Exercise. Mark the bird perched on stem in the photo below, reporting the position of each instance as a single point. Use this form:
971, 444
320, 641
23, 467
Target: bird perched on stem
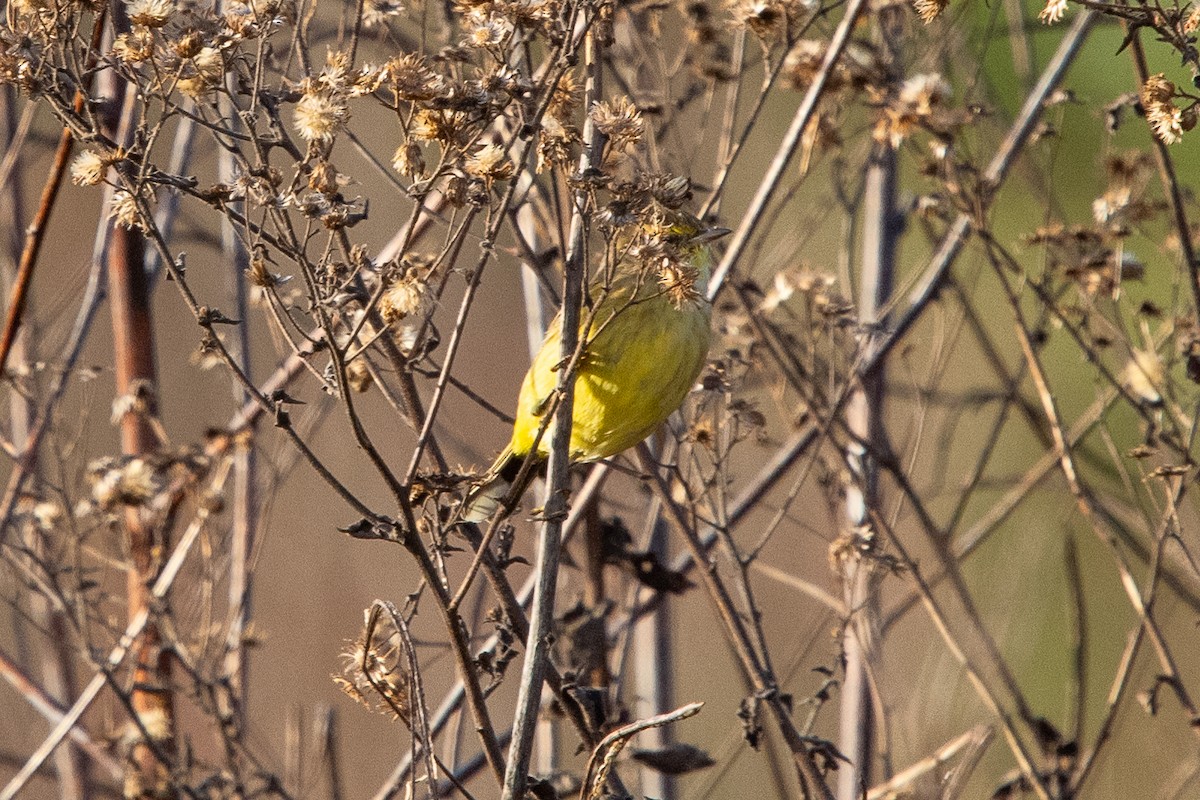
644, 336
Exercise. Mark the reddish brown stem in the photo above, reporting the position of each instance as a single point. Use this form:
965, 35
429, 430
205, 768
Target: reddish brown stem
35, 234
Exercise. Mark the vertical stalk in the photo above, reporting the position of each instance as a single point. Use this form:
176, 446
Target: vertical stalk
881, 228
654, 670
136, 375
537, 645
245, 502
535, 330
56, 658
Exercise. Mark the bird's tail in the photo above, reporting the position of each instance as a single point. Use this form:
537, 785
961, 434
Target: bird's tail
486, 497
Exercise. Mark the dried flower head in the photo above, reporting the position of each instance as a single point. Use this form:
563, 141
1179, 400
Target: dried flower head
1192, 22
769, 19
1157, 89
489, 33
375, 671
619, 120
554, 146
929, 10
150, 13
403, 298
202, 73
920, 97
566, 96
88, 168
803, 63
124, 210
411, 78
134, 47
490, 163
377, 13
1166, 120
319, 114
1053, 12
409, 160
677, 279
440, 125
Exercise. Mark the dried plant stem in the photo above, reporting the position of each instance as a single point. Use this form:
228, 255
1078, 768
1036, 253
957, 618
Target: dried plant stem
106, 671
974, 742
860, 571
245, 491
35, 234
930, 283
137, 392
49, 708
541, 619
755, 669
1169, 179
605, 753
787, 148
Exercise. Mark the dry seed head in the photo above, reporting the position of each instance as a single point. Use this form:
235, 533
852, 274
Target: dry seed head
490, 163
324, 178
929, 10
319, 115
1166, 120
404, 297
566, 96
124, 210
88, 168
409, 161
1157, 89
677, 279
1192, 21
1053, 12
490, 32
619, 120
134, 47
412, 79
554, 144
202, 73
150, 13
189, 45
803, 63
376, 13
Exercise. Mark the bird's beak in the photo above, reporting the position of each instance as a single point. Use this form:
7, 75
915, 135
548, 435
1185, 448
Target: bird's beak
711, 235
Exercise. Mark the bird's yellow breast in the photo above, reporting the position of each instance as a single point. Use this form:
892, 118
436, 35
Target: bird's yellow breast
640, 361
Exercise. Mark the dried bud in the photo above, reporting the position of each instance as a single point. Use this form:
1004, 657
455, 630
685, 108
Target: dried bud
319, 115
409, 161
150, 13
323, 178
1053, 12
202, 73
124, 210
1157, 89
619, 120
929, 10
490, 163
88, 168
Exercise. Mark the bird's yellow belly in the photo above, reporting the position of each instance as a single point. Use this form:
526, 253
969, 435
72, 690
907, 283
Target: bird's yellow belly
635, 372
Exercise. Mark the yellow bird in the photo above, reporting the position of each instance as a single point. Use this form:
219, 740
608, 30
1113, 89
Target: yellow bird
646, 344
